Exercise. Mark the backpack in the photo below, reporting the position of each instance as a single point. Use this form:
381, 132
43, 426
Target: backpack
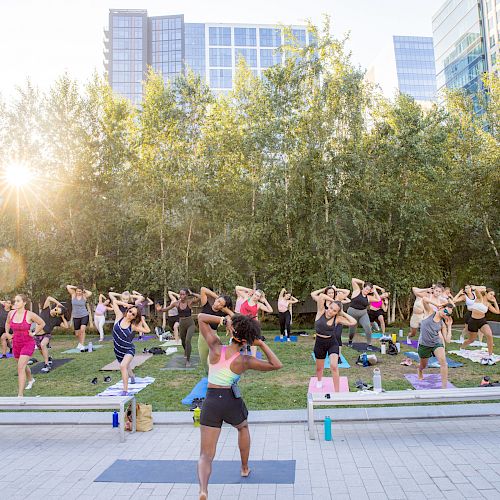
391, 348
154, 350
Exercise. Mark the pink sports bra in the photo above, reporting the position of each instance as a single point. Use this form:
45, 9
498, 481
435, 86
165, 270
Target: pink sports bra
220, 373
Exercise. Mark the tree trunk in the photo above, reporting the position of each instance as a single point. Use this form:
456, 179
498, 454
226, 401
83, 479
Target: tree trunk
393, 308
188, 245
491, 240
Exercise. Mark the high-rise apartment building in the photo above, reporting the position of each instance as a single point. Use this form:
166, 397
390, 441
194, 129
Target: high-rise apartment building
170, 46
415, 67
466, 34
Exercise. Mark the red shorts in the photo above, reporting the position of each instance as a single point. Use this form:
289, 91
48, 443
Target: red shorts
23, 345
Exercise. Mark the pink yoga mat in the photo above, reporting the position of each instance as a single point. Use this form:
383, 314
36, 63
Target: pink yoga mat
431, 381
328, 385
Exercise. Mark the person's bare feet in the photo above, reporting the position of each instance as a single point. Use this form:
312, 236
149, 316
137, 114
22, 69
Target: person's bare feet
245, 471
203, 495
420, 374
188, 364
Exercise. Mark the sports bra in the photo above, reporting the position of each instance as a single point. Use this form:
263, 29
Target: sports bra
479, 307
220, 373
184, 313
23, 327
359, 302
323, 328
376, 305
247, 310
470, 302
207, 309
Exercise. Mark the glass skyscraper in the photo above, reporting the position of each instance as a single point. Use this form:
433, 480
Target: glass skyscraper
415, 66
465, 42
172, 47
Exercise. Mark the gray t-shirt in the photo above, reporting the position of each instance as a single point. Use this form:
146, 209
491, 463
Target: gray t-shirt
429, 332
79, 307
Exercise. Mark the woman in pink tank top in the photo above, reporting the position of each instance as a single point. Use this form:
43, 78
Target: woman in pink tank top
223, 402
19, 321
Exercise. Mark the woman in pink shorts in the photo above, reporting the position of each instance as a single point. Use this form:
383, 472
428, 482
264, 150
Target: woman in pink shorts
19, 321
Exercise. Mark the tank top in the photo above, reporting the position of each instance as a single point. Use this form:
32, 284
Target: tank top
248, 310
479, 307
359, 302
122, 337
207, 309
184, 313
100, 309
470, 302
323, 328
21, 328
282, 305
220, 373
79, 307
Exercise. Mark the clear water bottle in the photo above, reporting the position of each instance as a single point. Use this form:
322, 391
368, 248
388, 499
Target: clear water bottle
401, 333
91, 347
377, 380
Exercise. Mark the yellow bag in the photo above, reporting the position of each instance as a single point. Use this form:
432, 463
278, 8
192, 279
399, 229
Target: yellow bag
144, 415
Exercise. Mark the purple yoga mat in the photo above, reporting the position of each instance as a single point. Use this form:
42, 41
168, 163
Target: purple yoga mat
9, 355
431, 381
145, 337
414, 344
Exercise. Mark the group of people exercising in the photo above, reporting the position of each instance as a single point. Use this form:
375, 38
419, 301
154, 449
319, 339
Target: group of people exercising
21, 329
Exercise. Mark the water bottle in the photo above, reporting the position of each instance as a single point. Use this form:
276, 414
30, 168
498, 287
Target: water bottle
196, 416
91, 347
115, 419
383, 348
364, 358
401, 333
377, 380
328, 429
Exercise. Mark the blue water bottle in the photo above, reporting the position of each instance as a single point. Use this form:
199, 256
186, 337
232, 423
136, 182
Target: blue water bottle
365, 359
115, 419
328, 429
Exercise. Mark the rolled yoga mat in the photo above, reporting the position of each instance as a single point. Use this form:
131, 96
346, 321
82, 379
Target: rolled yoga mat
185, 472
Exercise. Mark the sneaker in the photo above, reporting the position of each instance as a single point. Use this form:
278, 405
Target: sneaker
288, 339
484, 361
80, 347
132, 380
349, 344
50, 360
491, 362
30, 384
125, 393
46, 369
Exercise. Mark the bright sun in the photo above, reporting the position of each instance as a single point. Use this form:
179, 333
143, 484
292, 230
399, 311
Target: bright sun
18, 175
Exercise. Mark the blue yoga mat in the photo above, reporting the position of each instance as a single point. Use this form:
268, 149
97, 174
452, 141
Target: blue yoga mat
185, 471
343, 362
433, 362
293, 338
199, 391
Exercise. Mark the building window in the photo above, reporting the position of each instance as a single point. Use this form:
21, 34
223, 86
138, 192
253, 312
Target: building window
270, 37
219, 36
246, 37
300, 36
250, 56
221, 58
269, 57
221, 78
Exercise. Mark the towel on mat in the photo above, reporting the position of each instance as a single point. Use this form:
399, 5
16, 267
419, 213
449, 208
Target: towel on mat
475, 355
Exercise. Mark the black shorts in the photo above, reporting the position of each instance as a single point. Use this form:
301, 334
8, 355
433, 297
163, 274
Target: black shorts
373, 315
219, 406
324, 347
172, 320
467, 316
474, 325
79, 322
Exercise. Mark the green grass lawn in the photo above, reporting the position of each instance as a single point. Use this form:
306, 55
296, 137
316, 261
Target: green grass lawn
284, 389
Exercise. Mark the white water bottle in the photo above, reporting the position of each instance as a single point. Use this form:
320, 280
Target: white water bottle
401, 333
91, 347
377, 380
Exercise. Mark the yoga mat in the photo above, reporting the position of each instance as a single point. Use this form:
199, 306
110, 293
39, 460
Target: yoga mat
185, 472
170, 350
77, 351
140, 384
433, 362
9, 355
431, 381
178, 362
361, 347
413, 343
475, 355
293, 338
168, 343
343, 362
376, 335
144, 338
476, 343
327, 385
55, 364
137, 360
199, 391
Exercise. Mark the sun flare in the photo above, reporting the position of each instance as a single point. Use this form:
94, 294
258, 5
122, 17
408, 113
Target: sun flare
18, 175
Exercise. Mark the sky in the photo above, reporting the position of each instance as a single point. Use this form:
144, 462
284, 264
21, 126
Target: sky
42, 39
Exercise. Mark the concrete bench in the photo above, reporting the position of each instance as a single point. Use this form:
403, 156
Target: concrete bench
75, 403
396, 397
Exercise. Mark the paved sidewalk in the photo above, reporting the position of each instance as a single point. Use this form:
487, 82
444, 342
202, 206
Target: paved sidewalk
438, 458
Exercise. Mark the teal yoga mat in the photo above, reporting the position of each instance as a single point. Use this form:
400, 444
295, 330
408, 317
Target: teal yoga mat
343, 362
433, 362
77, 351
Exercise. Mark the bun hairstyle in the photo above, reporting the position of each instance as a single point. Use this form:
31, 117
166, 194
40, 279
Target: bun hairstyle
245, 329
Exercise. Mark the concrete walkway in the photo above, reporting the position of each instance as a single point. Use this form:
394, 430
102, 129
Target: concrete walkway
436, 458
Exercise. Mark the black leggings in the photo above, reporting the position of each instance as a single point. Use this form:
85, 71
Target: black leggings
186, 332
285, 320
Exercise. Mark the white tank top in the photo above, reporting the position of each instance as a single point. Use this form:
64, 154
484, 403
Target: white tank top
479, 307
470, 302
